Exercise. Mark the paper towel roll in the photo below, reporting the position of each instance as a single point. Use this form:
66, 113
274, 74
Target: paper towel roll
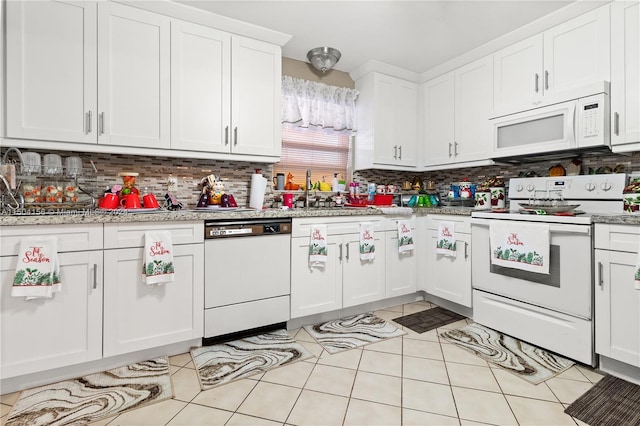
258, 189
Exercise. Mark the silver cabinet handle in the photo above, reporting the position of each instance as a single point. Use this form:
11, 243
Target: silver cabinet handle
466, 253
347, 251
536, 82
101, 124
455, 149
450, 149
400, 156
226, 135
600, 279
95, 276
340, 255
546, 80
235, 136
87, 119
395, 152
616, 123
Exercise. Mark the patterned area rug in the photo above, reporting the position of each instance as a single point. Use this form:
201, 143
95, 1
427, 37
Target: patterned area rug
426, 320
226, 362
528, 362
95, 396
611, 401
351, 332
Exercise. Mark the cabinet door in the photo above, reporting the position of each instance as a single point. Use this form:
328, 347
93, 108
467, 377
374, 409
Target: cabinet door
576, 52
43, 334
256, 72
450, 277
518, 73
315, 289
363, 281
617, 314
137, 316
200, 88
400, 269
133, 77
439, 115
384, 120
625, 72
473, 105
51, 70
406, 113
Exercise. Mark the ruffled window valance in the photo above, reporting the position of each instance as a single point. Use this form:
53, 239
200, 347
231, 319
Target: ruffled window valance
309, 103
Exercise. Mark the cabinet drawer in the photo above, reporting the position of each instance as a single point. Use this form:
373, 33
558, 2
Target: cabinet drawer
70, 237
335, 225
391, 222
463, 223
122, 235
617, 237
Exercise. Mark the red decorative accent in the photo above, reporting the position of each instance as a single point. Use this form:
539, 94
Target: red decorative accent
35, 256
513, 240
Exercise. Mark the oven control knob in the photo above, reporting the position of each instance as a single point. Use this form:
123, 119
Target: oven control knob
590, 186
605, 186
519, 188
530, 187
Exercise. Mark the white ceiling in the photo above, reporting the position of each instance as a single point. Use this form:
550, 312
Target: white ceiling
414, 35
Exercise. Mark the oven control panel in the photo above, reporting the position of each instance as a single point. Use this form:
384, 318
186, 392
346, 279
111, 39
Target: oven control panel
587, 187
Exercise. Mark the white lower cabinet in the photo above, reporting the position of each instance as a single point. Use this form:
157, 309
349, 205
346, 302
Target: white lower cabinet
344, 280
43, 334
401, 268
449, 277
617, 312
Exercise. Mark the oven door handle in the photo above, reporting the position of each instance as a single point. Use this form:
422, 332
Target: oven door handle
554, 228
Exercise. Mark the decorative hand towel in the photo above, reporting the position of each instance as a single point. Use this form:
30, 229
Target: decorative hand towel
446, 244
520, 245
38, 270
367, 241
158, 258
405, 236
637, 274
318, 245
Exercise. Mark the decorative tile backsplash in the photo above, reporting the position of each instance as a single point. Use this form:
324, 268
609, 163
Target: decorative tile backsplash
236, 175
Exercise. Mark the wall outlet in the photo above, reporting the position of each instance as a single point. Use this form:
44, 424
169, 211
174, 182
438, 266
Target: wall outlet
172, 184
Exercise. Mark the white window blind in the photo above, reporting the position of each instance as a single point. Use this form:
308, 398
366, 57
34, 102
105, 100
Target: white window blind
324, 151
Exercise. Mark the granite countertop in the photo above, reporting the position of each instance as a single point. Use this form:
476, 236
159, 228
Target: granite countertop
96, 216
617, 219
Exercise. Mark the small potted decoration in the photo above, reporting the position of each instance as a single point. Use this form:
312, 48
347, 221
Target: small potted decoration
482, 197
631, 196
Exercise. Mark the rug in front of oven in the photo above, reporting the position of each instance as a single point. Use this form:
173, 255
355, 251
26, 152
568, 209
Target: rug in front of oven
95, 396
352, 332
427, 320
225, 362
528, 362
612, 401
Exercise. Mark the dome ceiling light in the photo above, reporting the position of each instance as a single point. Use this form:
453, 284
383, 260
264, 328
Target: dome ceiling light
323, 58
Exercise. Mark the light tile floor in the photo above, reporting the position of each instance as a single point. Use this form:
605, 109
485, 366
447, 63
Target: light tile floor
416, 379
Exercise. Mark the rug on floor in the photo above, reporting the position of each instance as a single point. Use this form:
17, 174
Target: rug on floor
612, 401
427, 320
528, 362
225, 362
352, 332
95, 396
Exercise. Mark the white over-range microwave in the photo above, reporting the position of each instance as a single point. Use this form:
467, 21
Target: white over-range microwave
575, 124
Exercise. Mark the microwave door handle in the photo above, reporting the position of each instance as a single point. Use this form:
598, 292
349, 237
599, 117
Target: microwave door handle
573, 128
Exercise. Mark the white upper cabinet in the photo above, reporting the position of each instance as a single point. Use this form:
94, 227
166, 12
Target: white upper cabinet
625, 74
456, 108
256, 72
200, 87
387, 110
567, 56
133, 79
51, 70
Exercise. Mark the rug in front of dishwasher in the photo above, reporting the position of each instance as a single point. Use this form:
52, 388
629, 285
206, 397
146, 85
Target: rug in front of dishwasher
526, 361
95, 396
225, 362
352, 332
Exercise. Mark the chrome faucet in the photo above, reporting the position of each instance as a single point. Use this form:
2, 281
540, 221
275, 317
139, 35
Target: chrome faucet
307, 186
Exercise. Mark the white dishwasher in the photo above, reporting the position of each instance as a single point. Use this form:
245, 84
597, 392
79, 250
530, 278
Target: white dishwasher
247, 275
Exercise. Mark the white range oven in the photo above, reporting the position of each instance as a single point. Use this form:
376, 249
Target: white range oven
555, 310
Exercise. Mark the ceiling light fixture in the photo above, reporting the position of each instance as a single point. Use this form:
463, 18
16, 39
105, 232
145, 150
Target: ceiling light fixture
323, 58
